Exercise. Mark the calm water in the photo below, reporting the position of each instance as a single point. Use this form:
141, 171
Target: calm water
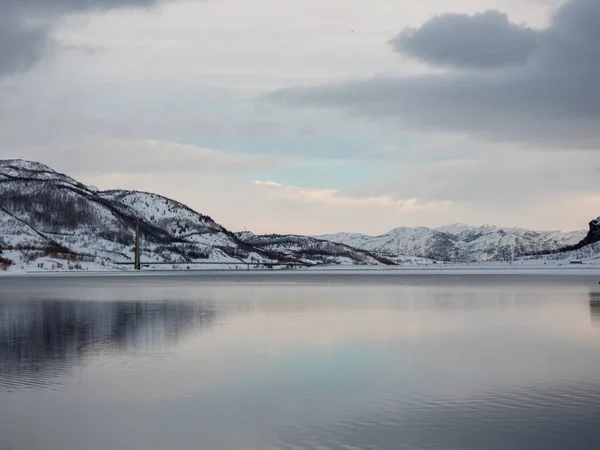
299, 362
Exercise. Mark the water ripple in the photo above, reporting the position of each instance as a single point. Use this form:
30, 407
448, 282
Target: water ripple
545, 417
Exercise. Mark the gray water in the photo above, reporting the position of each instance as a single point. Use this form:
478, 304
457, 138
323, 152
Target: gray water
299, 362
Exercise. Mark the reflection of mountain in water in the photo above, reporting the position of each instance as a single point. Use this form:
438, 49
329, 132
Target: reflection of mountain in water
42, 339
595, 309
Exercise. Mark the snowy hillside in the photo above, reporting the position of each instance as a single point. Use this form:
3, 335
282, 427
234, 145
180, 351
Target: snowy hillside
586, 251
195, 233
589, 254
49, 221
17, 234
460, 243
311, 250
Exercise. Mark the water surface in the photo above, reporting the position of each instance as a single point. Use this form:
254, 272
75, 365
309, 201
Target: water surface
261, 361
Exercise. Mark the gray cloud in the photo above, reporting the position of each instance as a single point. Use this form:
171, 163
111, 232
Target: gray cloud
484, 40
19, 46
25, 26
552, 99
508, 179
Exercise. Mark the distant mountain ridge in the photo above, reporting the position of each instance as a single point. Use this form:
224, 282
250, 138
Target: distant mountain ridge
47, 217
305, 248
460, 243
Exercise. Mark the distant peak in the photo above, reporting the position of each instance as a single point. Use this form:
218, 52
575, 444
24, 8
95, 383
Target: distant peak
25, 165
399, 229
455, 225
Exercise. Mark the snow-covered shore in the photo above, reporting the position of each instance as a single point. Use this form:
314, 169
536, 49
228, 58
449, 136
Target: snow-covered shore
518, 268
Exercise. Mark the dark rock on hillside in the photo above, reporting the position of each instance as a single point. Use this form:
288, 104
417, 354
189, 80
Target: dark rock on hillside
592, 237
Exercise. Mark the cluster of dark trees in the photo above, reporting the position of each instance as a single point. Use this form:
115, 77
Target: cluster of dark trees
122, 236
5, 263
49, 208
588, 251
194, 252
315, 249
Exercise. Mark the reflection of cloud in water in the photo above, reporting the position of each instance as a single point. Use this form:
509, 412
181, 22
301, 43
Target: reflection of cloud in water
41, 339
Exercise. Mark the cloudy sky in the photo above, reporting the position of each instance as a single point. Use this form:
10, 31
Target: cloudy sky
315, 116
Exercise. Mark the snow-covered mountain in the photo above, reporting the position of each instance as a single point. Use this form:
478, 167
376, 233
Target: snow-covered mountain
592, 236
51, 221
586, 250
43, 212
459, 242
308, 249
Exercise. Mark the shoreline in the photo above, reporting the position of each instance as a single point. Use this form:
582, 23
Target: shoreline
450, 269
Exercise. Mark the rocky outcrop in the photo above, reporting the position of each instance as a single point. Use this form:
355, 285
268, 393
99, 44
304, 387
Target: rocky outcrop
593, 233
592, 237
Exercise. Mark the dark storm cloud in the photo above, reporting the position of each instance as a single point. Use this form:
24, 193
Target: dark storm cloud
553, 98
25, 26
484, 40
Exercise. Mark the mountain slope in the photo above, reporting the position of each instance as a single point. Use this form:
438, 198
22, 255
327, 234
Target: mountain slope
592, 237
404, 242
459, 243
311, 250
46, 214
17, 234
42, 207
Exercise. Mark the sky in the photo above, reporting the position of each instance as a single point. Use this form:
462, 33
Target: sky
315, 116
